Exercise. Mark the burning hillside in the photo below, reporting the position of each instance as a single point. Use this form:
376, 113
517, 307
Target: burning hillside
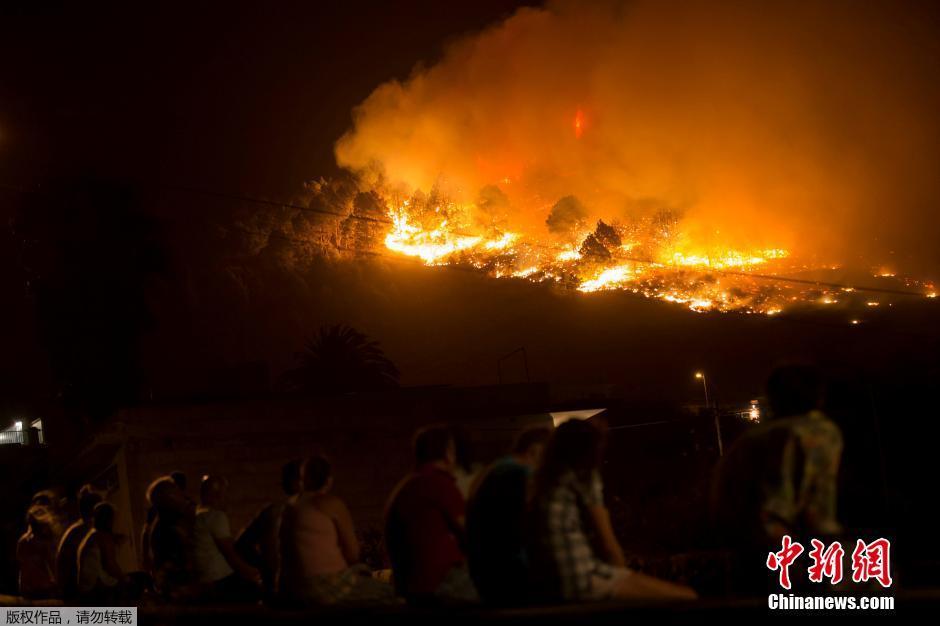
698, 154
648, 255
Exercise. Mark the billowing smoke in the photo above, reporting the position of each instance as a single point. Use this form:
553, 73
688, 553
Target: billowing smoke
810, 125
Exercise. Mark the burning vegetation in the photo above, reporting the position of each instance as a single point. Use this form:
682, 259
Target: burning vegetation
649, 254
646, 255
705, 154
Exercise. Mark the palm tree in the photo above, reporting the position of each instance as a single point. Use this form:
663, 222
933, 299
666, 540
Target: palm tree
340, 359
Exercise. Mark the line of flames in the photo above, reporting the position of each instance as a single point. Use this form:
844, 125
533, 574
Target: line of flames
694, 279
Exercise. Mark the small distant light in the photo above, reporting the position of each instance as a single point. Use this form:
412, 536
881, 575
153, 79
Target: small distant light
873, 303
17, 425
754, 412
855, 322
932, 294
698, 374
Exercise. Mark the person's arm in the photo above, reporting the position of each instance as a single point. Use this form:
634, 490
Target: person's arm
610, 548
248, 543
146, 554
345, 529
109, 563
221, 534
454, 509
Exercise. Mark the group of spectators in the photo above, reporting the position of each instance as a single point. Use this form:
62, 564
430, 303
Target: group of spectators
532, 528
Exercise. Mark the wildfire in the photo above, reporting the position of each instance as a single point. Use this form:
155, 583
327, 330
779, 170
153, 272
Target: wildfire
650, 256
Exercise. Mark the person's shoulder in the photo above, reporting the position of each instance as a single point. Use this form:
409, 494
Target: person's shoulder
71, 533
89, 540
817, 427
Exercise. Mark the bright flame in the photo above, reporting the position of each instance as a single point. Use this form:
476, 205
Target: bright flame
655, 259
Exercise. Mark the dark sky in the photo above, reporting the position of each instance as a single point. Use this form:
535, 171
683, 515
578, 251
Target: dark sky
246, 96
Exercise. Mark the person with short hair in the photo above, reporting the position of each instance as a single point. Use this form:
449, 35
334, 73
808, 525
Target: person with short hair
100, 577
319, 549
575, 555
424, 525
170, 539
217, 565
781, 477
496, 550
66, 560
257, 544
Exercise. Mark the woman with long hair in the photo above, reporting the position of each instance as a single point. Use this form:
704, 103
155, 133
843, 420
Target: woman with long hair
574, 553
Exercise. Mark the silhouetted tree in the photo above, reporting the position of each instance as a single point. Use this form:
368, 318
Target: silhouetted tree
340, 359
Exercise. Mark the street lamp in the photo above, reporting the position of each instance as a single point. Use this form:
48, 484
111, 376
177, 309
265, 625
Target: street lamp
701, 376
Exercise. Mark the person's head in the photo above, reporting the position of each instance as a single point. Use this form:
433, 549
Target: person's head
39, 520
530, 444
577, 446
291, 477
435, 444
88, 497
165, 496
317, 474
212, 491
44, 498
794, 390
180, 479
104, 517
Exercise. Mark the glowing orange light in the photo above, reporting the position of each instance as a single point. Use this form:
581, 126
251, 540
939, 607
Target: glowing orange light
578, 124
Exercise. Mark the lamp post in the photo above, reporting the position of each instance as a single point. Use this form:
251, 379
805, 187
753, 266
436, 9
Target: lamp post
701, 376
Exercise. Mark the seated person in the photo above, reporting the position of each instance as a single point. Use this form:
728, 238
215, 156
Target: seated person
100, 577
780, 478
171, 540
567, 512
66, 559
496, 522
424, 526
217, 567
35, 551
257, 544
319, 547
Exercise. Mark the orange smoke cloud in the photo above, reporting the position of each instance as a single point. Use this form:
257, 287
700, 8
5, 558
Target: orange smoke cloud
805, 125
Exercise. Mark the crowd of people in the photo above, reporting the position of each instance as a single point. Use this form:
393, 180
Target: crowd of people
532, 527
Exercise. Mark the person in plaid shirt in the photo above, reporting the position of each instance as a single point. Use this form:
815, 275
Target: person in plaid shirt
574, 553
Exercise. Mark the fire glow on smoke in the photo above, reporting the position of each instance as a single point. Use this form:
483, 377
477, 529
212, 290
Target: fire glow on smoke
685, 152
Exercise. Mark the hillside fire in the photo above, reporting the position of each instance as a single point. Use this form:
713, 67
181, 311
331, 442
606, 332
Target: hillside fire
649, 256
